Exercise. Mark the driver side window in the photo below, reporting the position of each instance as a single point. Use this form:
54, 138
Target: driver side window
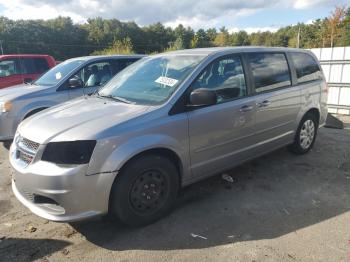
225, 76
9, 67
95, 74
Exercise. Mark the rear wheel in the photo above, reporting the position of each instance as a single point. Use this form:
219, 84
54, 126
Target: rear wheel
306, 135
145, 190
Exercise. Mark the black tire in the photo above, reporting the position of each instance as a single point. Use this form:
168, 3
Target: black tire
7, 144
303, 142
145, 190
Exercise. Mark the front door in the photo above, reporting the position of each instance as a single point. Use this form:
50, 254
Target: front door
10, 72
222, 133
93, 77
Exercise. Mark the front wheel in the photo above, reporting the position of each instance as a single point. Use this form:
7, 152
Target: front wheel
145, 190
306, 135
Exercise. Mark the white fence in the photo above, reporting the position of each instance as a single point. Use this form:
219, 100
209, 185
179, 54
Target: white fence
335, 63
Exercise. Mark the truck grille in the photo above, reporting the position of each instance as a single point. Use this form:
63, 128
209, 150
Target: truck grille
28, 145
26, 150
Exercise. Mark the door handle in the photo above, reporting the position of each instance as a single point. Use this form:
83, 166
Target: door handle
264, 103
246, 108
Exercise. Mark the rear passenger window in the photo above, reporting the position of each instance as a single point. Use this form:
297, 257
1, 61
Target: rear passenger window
225, 76
33, 65
41, 65
270, 71
119, 65
28, 66
306, 67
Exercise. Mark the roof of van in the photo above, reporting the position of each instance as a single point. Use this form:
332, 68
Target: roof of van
106, 56
23, 55
212, 50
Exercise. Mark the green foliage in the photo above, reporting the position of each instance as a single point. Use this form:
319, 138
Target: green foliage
345, 39
119, 47
222, 38
63, 39
177, 45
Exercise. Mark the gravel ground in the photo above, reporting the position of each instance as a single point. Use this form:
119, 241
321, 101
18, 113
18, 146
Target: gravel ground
280, 207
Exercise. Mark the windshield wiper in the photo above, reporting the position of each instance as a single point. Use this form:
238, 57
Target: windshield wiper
115, 98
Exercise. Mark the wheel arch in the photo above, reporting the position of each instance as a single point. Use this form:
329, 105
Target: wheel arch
315, 111
34, 111
163, 151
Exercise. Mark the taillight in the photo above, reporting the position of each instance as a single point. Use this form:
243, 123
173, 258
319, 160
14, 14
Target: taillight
326, 89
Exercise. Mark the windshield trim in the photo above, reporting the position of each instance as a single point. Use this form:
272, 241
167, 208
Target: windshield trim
63, 79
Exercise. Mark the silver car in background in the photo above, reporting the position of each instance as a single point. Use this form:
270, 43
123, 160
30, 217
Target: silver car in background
70, 79
162, 123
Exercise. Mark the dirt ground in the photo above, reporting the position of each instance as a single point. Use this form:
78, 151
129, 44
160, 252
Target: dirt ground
280, 207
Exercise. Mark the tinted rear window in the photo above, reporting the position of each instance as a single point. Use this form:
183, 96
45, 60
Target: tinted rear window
41, 65
119, 65
306, 67
33, 65
270, 71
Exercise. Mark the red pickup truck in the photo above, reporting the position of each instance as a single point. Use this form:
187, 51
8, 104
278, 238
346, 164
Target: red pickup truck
18, 69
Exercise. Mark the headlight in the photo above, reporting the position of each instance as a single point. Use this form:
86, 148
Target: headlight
5, 106
70, 153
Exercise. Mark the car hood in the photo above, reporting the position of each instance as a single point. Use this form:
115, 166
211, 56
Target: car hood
79, 119
10, 93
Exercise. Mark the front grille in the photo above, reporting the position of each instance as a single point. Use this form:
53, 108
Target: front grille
28, 145
25, 157
26, 150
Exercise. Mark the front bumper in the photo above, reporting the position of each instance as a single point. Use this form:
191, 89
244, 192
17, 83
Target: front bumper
66, 193
48, 211
8, 127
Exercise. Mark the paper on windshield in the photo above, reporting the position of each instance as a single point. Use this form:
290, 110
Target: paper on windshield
166, 81
58, 76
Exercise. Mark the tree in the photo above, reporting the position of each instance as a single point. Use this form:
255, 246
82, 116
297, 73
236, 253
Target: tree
345, 39
185, 34
222, 38
211, 34
335, 21
63, 38
119, 47
157, 37
202, 39
240, 39
177, 45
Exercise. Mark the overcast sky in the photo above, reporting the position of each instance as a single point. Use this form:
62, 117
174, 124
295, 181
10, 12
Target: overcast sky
250, 15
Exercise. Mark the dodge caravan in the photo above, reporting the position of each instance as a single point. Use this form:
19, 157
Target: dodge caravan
165, 122
70, 79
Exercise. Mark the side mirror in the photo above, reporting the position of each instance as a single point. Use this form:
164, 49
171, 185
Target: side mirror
203, 97
28, 80
75, 82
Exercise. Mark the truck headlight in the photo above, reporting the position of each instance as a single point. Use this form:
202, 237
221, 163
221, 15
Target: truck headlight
5, 106
69, 153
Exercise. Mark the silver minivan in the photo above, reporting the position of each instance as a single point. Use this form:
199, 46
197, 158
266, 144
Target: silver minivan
73, 78
165, 122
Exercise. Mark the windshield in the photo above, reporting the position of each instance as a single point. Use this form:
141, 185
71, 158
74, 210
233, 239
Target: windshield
53, 76
152, 80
